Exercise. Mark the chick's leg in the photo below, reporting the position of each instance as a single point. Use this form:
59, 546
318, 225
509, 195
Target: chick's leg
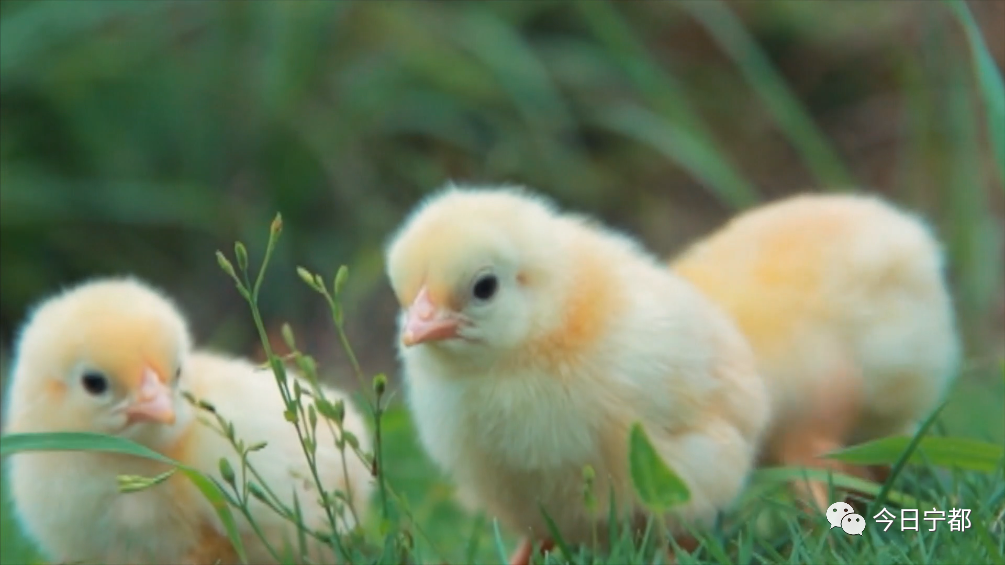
881, 473
522, 554
525, 551
805, 452
827, 418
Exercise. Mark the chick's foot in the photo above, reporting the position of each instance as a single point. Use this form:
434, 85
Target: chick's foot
524, 552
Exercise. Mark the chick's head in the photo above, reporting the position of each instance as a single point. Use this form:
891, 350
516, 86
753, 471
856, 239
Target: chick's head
468, 268
104, 357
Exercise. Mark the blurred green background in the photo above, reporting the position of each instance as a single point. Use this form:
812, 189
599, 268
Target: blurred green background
141, 136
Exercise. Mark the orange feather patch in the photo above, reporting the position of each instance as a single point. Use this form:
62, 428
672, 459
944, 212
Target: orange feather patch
592, 301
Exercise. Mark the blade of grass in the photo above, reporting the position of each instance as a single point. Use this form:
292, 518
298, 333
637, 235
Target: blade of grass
902, 461
556, 535
989, 78
519, 72
215, 497
685, 147
296, 36
500, 546
669, 100
769, 478
471, 548
28, 34
976, 232
729, 33
964, 453
72, 441
994, 552
30, 197
661, 90
516, 67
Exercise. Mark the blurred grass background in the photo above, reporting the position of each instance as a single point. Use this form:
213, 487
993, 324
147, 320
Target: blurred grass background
141, 136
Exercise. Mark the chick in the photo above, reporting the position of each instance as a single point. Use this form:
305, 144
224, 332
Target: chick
114, 356
532, 339
844, 301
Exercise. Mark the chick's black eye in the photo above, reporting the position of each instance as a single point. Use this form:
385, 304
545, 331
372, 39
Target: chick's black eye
485, 287
95, 383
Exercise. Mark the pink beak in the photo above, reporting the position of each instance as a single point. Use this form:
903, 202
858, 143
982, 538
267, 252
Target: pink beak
426, 322
153, 402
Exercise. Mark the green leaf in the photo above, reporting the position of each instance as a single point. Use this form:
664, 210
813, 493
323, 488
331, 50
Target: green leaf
658, 487
73, 441
340, 278
307, 277
989, 78
964, 453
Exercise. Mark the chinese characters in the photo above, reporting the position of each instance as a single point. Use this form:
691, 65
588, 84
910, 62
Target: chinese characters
959, 519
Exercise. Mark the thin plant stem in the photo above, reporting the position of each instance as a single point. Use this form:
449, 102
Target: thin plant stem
378, 457
311, 462
252, 299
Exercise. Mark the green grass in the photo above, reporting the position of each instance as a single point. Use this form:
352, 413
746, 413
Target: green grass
769, 532
414, 502
161, 129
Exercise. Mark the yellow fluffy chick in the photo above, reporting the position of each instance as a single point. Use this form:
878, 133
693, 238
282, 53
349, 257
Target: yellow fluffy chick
844, 301
532, 339
113, 356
